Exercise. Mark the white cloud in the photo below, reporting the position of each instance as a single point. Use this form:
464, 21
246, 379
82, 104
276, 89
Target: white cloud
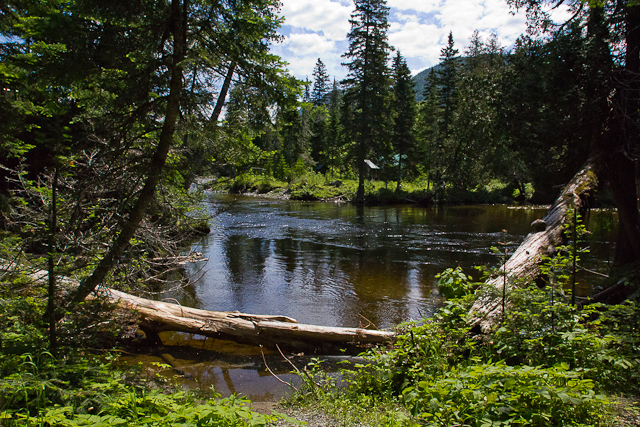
415, 39
307, 44
419, 29
329, 17
405, 17
425, 6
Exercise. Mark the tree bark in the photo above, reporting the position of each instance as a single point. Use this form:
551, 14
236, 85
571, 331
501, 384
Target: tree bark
524, 263
198, 156
247, 328
155, 166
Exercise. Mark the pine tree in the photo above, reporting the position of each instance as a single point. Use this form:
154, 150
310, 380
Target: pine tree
428, 127
321, 83
448, 78
368, 81
404, 109
334, 131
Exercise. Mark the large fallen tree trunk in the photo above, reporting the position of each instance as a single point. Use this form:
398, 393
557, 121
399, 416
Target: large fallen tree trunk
157, 316
547, 235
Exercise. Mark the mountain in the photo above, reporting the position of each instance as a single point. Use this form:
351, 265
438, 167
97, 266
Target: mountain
421, 78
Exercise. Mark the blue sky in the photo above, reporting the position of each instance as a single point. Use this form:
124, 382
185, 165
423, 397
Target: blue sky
418, 28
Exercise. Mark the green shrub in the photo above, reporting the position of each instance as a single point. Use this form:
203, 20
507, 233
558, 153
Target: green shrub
495, 394
453, 283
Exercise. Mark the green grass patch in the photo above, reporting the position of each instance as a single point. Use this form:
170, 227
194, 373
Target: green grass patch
315, 186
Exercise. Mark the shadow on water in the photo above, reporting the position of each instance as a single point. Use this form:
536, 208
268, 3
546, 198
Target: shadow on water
200, 363
335, 265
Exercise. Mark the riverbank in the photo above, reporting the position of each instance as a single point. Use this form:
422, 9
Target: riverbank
317, 187
548, 364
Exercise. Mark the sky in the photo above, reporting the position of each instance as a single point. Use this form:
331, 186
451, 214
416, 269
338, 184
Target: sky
419, 29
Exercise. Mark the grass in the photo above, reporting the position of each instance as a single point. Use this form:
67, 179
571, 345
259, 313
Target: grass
314, 186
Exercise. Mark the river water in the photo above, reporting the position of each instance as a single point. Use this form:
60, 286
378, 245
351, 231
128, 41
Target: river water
333, 265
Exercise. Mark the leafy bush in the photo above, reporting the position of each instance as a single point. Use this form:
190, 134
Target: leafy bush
453, 283
153, 408
78, 388
495, 394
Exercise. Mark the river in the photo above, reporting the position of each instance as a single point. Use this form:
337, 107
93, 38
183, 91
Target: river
333, 264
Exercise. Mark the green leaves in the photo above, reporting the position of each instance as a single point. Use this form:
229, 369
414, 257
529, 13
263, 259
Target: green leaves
495, 394
453, 283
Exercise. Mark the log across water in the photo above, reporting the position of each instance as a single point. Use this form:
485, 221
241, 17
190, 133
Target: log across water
157, 316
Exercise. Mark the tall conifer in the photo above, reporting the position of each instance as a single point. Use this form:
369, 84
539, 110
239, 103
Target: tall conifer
404, 109
448, 78
321, 84
367, 84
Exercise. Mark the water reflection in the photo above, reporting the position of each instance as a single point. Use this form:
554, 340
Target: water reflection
345, 265
335, 265
225, 366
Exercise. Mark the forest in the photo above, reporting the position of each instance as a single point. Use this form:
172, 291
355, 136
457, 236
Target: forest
114, 112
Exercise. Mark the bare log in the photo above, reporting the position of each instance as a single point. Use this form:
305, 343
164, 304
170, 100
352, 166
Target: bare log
265, 330
547, 235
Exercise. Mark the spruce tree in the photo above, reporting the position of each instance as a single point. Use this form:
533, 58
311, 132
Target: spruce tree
321, 83
428, 127
334, 131
404, 109
448, 77
319, 98
367, 84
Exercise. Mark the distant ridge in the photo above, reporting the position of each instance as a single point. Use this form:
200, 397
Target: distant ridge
421, 78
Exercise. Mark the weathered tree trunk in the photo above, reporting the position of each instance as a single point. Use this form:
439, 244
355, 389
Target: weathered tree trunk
525, 261
156, 165
247, 328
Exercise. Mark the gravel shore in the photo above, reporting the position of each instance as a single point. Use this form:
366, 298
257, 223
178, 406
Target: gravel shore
312, 417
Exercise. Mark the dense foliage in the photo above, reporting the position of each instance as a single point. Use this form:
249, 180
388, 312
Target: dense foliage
112, 109
83, 387
547, 363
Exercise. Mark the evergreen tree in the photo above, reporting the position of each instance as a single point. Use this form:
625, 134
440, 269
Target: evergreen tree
448, 77
333, 144
404, 110
475, 145
318, 117
307, 93
321, 83
428, 126
367, 84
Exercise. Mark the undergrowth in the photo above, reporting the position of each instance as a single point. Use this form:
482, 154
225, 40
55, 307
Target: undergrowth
79, 387
310, 185
546, 363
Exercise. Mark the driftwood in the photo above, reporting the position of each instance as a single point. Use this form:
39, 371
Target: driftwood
157, 316
247, 328
547, 235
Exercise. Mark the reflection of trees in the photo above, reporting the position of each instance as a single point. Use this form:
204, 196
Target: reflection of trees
245, 259
287, 250
376, 261
376, 281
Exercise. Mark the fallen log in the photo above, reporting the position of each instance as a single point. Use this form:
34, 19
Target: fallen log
546, 236
158, 316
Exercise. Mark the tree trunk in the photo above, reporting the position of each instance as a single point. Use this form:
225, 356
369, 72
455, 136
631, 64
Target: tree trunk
155, 166
361, 172
198, 156
524, 263
247, 328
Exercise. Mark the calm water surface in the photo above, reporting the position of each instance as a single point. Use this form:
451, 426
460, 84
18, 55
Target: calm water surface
342, 265
328, 264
